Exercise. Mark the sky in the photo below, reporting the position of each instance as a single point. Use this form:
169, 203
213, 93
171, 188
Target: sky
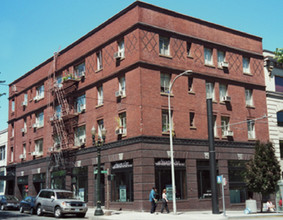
32, 30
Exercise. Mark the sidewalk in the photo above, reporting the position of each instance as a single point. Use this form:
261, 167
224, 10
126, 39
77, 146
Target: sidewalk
191, 215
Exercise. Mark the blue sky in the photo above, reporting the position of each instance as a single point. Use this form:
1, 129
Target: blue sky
32, 30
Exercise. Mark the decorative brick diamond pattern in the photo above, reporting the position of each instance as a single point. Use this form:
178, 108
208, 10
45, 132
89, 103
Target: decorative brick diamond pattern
131, 43
257, 67
91, 64
179, 49
235, 63
108, 55
198, 57
148, 42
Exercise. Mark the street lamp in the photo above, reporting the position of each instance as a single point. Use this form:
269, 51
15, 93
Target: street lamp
187, 72
98, 144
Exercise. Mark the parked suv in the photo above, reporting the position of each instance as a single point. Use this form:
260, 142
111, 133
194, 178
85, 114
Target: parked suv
59, 202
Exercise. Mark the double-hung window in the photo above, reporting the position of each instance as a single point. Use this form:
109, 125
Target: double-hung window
25, 102
99, 60
215, 126
122, 85
40, 92
13, 130
251, 129
249, 97
123, 122
222, 92
220, 58
81, 104
210, 90
2, 152
164, 82
25, 125
59, 80
58, 111
190, 84
80, 70
39, 120
189, 46
165, 120
192, 119
100, 124
225, 125
80, 136
164, 46
100, 95
208, 58
246, 65
121, 48
39, 147
13, 105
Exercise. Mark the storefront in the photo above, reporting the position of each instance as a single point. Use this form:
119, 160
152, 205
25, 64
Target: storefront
38, 181
79, 183
22, 182
58, 179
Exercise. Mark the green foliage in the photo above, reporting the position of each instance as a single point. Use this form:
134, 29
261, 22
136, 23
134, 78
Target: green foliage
263, 171
279, 55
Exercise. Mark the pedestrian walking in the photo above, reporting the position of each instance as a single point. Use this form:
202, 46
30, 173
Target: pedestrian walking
164, 201
152, 199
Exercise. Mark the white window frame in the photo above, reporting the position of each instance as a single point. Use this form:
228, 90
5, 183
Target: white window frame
215, 126
220, 58
2, 152
225, 124
122, 85
100, 125
13, 105
80, 104
165, 79
25, 124
12, 154
99, 60
210, 93
79, 70
222, 92
121, 48
164, 46
249, 97
208, 56
165, 120
246, 65
40, 92
39, 120
39, 146
123, 122
26, 99
100, 95
79, 134
251, 129
24, 150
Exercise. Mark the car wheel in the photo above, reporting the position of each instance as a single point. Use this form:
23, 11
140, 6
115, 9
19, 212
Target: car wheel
31, 211
58, 212
39, 210
81, 215
21, 209
3, 207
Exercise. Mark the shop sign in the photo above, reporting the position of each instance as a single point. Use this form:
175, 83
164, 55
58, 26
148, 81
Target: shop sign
122, 165
177, 163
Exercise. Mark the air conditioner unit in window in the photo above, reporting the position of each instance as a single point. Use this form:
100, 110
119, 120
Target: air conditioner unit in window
224, 64
23, 130
35, 125
82, 141
24, 103
82, 107
34, 153
119, 93
228, 133
118, 55
119, 131
226, 98
83, 74
36, 98
22, 156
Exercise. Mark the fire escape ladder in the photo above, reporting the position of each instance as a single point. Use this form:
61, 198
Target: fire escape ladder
61, 132
62, 100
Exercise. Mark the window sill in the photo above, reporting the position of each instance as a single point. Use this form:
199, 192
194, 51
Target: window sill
99, 106
98, 70
191, 92
165, 56
190, 57
216, 137
166, 94
250, 106
247, 74
251, 139
165, 133
193, 128
209, 65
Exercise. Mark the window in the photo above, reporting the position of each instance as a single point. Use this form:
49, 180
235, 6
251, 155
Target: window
80, 70
25, 125
39, 147
251, 129
81, 104
123, 122
100, 95
99, 60
40, 92
12, 154
224, 124
237, 186
100, 128
215, 126
122, 85
59, 80
13, 130
24, 150
164, 82
189, 46
222, 92
190, 83
13, 105
208, 58
39, 119
281, 149
80, 137
280, 118
249, 97
25, 99
2, 152
164, 48
121, 48
165, 120
278, 84
220, 58
192, 119
210, 90
246, 65
203, 178
58, 111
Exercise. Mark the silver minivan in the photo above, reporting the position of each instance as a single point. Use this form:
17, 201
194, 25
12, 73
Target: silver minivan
59, 202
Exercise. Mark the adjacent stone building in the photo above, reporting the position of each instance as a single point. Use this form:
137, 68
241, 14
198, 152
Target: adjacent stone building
116, 77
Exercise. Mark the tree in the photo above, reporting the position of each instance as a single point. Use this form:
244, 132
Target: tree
262, 171
279, 55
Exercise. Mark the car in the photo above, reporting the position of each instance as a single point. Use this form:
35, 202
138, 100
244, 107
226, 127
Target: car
27, 204
59, 202
9, 202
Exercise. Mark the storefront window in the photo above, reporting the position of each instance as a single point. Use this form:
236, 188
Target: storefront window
23, 185
237, 186
79, 183
122, 186
38, 181
58, 179
163, 178
203, 177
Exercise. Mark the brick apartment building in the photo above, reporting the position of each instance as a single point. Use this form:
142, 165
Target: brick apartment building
116, 78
